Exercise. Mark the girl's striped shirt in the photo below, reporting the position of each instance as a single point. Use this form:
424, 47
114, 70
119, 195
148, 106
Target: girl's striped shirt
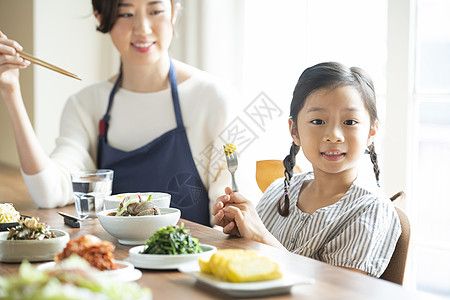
359, 231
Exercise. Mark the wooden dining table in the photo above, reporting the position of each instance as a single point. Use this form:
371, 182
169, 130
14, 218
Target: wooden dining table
330, 282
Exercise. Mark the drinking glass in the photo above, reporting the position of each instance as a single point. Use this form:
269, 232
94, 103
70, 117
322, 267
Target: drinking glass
90, 189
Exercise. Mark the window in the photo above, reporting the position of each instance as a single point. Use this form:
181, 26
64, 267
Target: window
283, 38
432, 95
277, 40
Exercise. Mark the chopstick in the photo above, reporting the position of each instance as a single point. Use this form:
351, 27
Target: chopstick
47, 65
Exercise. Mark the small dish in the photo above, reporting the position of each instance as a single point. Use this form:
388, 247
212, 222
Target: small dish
165, 262
125, 271
135, 230
32, 250
247, 289
161, 200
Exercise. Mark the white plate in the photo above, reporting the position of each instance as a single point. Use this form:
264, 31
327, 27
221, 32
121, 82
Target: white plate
247, 289
32, 250
125, 271
165, 262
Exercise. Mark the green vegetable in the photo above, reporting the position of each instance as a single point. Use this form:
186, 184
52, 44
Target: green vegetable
30, 229
172, 240
70, 279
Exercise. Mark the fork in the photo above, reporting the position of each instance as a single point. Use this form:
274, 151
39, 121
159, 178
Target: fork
232, 163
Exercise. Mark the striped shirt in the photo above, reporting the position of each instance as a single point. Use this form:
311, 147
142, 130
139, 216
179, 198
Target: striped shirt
359, 231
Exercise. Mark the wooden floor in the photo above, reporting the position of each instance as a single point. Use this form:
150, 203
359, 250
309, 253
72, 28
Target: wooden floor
13, 189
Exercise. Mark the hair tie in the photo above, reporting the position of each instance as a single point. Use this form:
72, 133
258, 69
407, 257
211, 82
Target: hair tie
286, 183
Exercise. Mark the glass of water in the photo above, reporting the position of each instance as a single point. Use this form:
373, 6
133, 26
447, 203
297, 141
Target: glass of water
90, 189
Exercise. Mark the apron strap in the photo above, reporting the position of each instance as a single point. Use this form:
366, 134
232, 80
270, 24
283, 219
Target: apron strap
104, 122
175, 100
103, 125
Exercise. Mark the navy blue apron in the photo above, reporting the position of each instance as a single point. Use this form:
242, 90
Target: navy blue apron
163, 165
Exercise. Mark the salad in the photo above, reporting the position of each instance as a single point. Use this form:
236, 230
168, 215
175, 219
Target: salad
172, 240
70, 279
8, 214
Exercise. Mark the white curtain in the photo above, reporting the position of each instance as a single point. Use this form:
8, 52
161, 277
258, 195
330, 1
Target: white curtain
209, 36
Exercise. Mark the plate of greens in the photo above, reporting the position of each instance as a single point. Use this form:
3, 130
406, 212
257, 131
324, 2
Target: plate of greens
169, 248
165, 261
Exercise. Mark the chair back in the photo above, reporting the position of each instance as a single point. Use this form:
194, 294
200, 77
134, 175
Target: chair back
267, 171
395, 271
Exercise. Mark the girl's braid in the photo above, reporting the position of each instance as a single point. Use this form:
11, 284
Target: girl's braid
374, 159
376, 170
289, 164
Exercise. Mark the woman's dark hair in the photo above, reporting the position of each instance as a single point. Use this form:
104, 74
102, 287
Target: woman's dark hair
107, 9
328, 75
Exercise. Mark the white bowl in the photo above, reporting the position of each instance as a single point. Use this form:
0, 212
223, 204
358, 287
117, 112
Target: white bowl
161, 200
165, 261
32, 250
137, 230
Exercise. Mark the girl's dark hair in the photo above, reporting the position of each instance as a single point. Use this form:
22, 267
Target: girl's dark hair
289, 164
328, 75
108, 11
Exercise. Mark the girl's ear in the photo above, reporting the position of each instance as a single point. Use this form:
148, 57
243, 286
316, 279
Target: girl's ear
294, 132
373, 132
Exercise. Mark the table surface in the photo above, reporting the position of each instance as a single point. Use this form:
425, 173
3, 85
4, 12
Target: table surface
330, 282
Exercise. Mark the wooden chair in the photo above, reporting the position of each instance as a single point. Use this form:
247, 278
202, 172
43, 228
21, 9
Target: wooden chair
267, 171
395, 271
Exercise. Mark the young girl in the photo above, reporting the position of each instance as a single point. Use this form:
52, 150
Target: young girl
327, 214
159, 118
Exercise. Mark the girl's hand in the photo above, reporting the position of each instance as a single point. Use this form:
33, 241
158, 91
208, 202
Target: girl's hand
219, 215
10, 63
238, 216
246, 221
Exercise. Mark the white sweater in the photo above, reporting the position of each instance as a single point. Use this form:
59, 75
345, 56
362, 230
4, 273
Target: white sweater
206, 108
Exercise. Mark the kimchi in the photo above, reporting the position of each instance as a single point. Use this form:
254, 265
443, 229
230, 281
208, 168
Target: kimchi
98, 253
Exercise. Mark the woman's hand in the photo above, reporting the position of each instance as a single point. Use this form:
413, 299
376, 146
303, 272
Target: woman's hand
10, 63
32, 157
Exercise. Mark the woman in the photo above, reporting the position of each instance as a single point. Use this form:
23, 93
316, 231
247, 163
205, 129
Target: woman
154, 123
